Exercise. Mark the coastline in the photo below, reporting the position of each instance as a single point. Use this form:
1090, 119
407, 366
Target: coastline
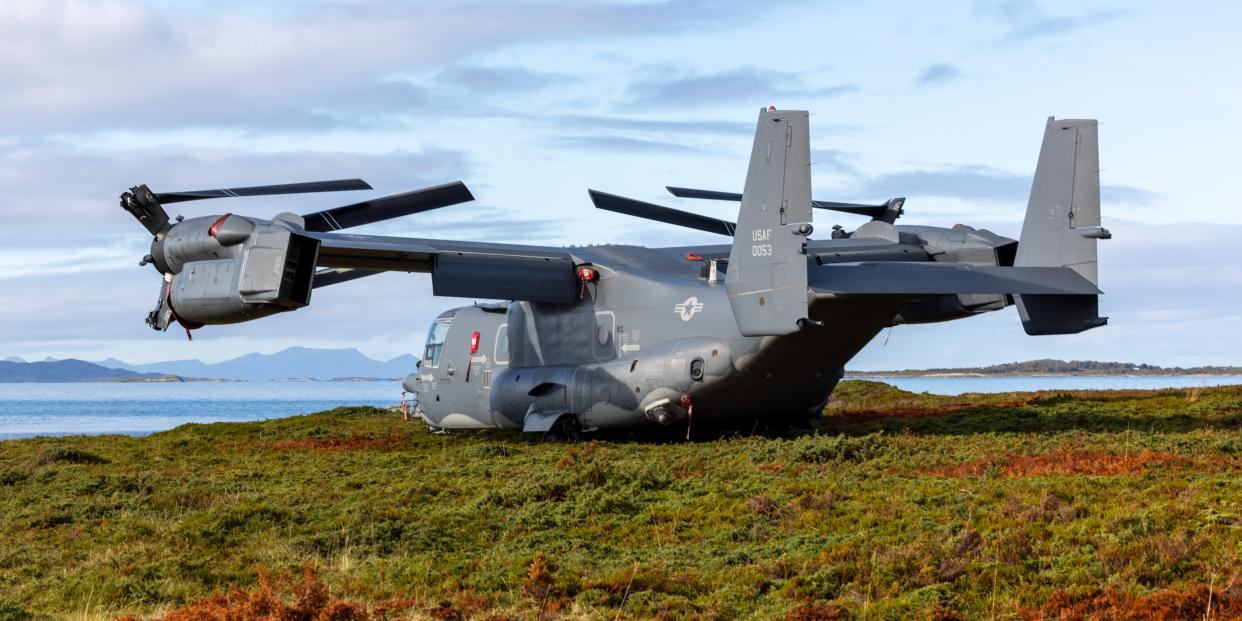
1224, 372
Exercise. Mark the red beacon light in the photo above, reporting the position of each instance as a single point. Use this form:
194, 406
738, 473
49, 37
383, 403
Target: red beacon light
474, 342
587, 273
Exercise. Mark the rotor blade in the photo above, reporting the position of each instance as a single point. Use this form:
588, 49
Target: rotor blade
707, 194
631, 207
388, 207
888, 212
339, 185
873, 211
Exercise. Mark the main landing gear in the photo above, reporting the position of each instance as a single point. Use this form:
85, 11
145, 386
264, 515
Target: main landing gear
566, 429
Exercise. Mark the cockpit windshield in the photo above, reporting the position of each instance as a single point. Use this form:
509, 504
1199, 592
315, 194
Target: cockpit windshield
435, 343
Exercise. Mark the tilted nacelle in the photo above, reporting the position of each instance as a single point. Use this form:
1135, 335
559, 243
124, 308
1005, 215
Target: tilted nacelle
232, 269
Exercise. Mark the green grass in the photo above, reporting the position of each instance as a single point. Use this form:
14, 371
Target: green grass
897, 506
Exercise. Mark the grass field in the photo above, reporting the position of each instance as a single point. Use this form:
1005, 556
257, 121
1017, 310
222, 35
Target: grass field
897, 506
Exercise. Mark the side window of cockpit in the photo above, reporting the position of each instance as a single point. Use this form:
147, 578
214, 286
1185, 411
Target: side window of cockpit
501, 355
435, 343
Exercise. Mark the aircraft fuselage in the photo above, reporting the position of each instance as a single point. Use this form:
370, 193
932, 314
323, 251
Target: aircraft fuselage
654, 334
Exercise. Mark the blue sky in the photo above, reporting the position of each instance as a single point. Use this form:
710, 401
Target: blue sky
532, 103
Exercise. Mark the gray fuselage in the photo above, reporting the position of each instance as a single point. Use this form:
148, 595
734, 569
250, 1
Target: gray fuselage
656, 333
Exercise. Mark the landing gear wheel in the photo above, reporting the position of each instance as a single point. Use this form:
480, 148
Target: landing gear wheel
791, 423
565, 429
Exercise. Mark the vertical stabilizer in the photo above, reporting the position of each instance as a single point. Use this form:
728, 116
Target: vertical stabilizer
1062, 226
767, 278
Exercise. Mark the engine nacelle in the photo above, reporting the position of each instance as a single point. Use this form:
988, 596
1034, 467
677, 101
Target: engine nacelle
202, 239
231, 269
274, 273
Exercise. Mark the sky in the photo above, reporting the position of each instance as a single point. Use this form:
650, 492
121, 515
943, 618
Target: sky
531, 103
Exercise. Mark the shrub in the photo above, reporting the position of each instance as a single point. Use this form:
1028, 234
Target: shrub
840, 448
68, 456
485, 451
764, 506
12, 477
12, 612
816, 611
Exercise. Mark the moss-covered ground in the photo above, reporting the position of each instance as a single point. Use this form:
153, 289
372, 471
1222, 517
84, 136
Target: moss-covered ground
895, 506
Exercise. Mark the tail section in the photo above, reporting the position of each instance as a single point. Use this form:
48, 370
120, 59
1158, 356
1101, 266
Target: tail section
1062, 227
767, 277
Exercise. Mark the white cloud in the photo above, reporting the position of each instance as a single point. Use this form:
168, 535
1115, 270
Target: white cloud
17, 263
86, 65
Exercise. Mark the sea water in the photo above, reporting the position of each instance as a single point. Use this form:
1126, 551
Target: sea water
138, 408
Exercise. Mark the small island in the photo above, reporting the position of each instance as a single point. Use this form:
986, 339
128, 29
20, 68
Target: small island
1054, 367
49, 371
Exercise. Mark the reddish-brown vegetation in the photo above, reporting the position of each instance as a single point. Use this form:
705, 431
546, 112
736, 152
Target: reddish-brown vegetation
765, 506
1199, 603
863, 414
282, 598
1050, 508
816, 611
539, 588
353, 443
1061, 463
574, 457
922, 406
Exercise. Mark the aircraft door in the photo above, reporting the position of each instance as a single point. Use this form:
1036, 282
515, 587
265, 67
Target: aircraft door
446, 362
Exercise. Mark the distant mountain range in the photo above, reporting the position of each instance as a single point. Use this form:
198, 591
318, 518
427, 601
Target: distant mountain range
68, 371
1049, 366
292, 363
20, 359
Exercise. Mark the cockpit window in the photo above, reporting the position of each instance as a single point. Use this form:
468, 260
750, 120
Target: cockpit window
435, 343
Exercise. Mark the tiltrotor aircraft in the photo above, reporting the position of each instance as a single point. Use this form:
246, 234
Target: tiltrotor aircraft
627, 337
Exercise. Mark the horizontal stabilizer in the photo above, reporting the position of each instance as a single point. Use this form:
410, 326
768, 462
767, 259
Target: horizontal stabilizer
1059, 314
923, 279
388, 207
631, 207
887, 211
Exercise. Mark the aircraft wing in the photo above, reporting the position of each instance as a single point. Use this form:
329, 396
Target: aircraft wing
909, 279
458, 268
337, 275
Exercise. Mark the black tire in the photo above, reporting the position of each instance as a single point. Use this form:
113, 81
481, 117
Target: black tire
565, 429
